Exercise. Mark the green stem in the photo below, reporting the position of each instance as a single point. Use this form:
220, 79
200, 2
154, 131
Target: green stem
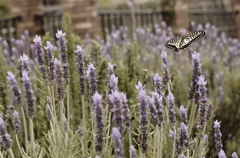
25, 128
168, 85
32, 136
130, 143
192, 116
155, 142
83, 110
200, 148
66, 139
68, 108
161, 140
1, 155
61, 114
11, 153
19, 147
108, 127
174, 143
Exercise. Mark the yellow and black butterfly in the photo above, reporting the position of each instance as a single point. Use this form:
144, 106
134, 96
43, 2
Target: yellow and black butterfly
181, 43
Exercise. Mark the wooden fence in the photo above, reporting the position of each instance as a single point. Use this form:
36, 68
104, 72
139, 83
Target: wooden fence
8, 27
224, 20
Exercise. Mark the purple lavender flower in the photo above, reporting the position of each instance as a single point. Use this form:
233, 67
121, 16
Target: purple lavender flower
125, 112
28, 94
64, 56
142, 103
25, 63
51, 65
183, 115
80, 63
117, 139
181, 156
222, 154
202, 91
234, 155
177, 144
97, 101
59, 80
16, 122
184, 141
157, 100
113, 83
133, 151
153, 111
157, 84
209, 111
6, 140
39, 52
166, 78
217, 135
196, 73
116, 100
9, 111
171, 111
16, 91
92, 82
110, 69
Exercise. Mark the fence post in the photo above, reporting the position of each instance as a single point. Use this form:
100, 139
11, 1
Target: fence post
236, 7
84, 16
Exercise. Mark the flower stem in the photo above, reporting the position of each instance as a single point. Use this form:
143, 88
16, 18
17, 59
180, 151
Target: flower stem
32, 136
174, 143
108, 127
161, 140
192, 116
83, 110
130, 143
61, 114
11, 153
25, 128
68, 108
19, 147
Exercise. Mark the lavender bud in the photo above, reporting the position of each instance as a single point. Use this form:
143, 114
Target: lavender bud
142, 103
222, 154
125, 112
113, 83
166, 77
110, 69
171, 111
59, 80
139, 86
16, 122
97, 101
133, 151
183, 115
184, 141
6, 138
65, 125
181, 156
9, 111
209, 111
25, 63
153, 111
234, 155
27, 85
51, 65
115, 98
92, 82
217, 135
39, 52
80, 131
118, 149
80, 63
64, 56
16, 91
49, 113
157, 102
157, 83
196, 73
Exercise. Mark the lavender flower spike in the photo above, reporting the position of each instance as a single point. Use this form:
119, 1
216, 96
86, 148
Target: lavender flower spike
157, 83
222, 154
110, 69
143, 104
5, 137
171, 111
184, 141
181, 156
217, 135
113, 83
25, 64
39, 52
97, 101
80, 62
196, 73
16, 91
118, 149
16, 122
92, 81
126, 111
59, 80
183, 115
234, 155
51, 66
64, 56
157, 100
29, 94
133, 151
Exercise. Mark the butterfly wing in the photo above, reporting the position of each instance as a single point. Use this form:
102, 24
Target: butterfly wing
190, 38
174, 44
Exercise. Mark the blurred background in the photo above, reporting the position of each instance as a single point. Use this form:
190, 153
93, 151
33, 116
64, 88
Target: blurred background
93, 17
101, 19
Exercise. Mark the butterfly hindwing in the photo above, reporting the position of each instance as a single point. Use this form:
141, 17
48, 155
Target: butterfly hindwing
181, 43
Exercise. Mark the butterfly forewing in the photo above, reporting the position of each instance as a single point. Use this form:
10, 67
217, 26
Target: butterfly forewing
184, 42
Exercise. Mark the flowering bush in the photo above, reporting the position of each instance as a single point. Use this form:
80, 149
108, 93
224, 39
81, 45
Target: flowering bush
78, 104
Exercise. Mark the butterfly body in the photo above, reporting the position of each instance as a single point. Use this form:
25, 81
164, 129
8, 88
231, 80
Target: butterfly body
181, 43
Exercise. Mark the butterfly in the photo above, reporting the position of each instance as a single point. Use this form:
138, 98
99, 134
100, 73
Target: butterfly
181, 43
